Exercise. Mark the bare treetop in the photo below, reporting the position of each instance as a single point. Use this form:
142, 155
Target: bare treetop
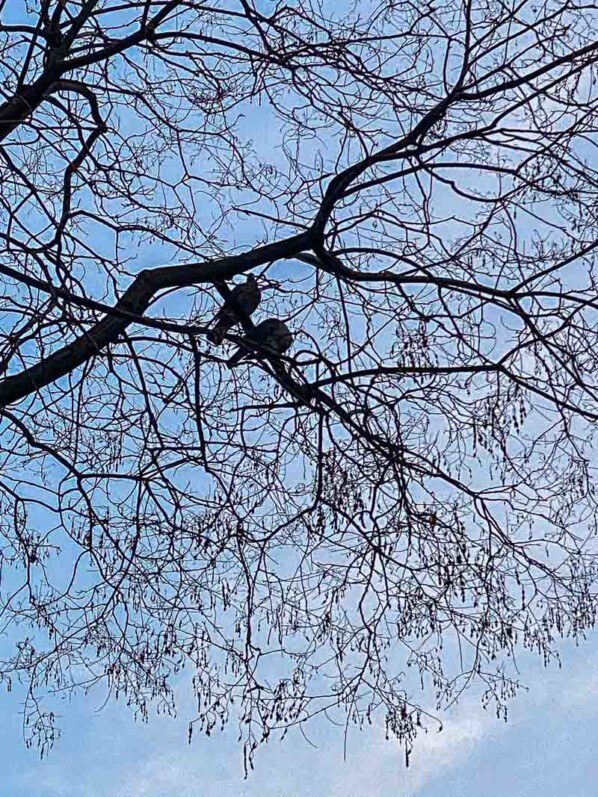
397, 476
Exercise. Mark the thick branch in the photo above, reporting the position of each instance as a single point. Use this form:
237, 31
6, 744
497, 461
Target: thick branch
20, 106
15, 110
135, 301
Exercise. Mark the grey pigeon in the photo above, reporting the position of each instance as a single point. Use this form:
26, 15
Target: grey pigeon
272, 335
246, 297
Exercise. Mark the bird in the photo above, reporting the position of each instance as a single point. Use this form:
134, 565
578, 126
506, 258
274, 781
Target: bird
271, 335
245, 297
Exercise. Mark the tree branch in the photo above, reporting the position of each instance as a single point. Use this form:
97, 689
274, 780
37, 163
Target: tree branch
134, 302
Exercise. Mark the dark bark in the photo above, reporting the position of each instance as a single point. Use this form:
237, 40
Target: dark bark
135, 301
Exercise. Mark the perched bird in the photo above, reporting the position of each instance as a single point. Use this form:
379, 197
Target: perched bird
245, 297
272, 335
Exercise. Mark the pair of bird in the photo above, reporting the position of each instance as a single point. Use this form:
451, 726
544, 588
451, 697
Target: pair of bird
271, 334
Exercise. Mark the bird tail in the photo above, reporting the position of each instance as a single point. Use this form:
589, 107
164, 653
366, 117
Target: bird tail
237, 357
217, 333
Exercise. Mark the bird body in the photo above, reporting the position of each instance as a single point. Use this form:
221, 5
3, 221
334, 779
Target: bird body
272, 335
245, 297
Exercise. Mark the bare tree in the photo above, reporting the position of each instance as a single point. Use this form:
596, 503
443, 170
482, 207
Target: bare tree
403, 495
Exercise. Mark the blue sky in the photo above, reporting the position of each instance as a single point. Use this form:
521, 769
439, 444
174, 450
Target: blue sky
546, 749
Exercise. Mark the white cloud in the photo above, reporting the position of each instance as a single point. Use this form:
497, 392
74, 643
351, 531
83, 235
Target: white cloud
113, 757
162, 776
377, 768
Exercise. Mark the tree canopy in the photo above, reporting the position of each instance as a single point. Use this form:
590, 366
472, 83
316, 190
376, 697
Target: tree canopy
362, 525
